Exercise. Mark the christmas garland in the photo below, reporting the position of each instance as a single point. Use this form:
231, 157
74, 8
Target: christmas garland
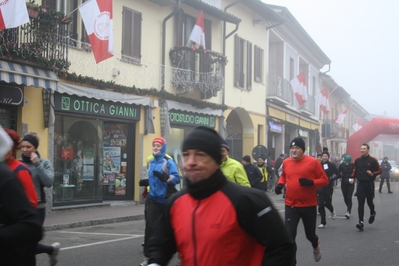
162, 94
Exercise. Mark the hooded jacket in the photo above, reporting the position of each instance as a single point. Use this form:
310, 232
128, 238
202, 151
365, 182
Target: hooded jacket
158, 189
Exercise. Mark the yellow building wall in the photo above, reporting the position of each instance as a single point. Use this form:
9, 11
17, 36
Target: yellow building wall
256, 34
32, 115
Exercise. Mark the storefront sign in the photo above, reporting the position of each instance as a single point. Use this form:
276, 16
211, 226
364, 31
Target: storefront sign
190, 119
82, 105
275, 127
11, 95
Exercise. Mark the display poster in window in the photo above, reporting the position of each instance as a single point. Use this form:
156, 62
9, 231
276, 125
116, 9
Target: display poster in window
115, 135
65, 179
120, 184
108, 179
88, 172
88, 156
111, 159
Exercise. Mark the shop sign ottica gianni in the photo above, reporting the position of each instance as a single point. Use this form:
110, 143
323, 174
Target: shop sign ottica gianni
89, 106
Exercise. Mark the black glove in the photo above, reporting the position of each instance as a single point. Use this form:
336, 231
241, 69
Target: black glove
143, 182
162, 176
305, 182
278, 189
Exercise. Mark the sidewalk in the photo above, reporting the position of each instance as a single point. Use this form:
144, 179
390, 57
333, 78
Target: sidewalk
105, 213
87, 215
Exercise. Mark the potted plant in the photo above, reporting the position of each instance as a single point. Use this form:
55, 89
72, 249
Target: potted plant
33, 9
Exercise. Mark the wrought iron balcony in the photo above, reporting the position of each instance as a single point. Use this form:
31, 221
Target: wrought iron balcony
336, 130
42, 41
197, 69
279, 89
309, 106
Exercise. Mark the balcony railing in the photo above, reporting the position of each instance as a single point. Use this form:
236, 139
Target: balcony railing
279, 89
308, 106
197, 69
42, 42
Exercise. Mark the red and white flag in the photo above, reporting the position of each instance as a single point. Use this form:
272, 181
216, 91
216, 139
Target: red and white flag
298, 85
358, 125
13, 14
323, 101
340, 119
198, 33
97, 18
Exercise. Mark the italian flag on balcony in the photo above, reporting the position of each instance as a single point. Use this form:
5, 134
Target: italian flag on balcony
97, 18
13, 14
198, 33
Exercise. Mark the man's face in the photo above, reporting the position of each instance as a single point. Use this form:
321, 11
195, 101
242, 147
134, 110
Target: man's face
198, 165
319, 158
364, 151
324, 158
296, 152
244, 162
261, 161
225, 153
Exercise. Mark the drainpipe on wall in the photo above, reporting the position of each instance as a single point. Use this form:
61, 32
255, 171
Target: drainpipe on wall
329, 68
225, 38
177, 9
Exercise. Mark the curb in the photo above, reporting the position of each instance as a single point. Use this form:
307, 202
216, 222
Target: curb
53, 227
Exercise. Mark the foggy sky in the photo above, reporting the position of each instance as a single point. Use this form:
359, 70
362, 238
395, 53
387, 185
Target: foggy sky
361, 38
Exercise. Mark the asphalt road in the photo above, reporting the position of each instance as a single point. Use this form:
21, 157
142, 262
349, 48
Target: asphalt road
341, 243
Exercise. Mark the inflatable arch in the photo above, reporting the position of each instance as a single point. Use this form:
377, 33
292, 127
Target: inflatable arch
368, 132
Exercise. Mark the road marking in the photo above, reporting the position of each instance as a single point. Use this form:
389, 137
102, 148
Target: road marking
104, 234
102, 242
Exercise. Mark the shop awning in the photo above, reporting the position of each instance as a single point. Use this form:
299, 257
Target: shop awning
189, 108
103, 94
26, 75
114, 97
169, 105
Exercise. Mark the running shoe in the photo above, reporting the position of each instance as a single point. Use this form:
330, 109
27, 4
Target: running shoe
322, 226
348, 215
317, 253
372, 217
53, 257
333, 215
360, 226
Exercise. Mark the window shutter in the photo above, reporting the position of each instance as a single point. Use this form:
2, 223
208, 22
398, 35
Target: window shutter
137, 35
249, 66
126, 32
236, 61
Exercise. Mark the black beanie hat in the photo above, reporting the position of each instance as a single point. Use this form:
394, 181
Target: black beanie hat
204, 139
32, 140
247, 158
298, 142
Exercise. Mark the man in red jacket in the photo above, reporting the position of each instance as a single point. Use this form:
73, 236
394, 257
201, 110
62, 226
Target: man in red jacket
216, 222
302, 175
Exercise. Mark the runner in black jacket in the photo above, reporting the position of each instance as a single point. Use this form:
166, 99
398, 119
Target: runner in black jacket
20, 226
324, 194
365, 171
345, 171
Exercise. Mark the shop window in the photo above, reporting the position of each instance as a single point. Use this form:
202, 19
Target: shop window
77, 159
